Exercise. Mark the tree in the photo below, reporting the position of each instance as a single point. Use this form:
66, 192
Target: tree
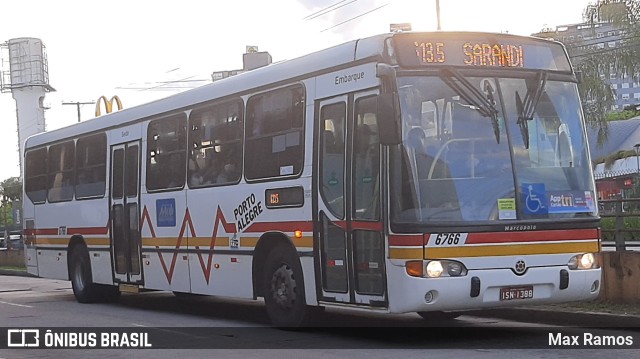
10, 191
623, 60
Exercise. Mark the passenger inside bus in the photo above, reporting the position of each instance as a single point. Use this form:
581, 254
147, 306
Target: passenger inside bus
175, 175
228, 172
203, 172
213, 170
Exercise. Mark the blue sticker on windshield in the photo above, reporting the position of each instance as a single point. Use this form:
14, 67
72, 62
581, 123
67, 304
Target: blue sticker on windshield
571, 201
535, 198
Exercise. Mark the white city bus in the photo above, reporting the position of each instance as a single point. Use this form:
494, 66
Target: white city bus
408, 172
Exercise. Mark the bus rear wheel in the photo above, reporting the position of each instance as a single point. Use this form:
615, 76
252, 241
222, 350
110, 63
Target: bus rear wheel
80, 273
82, 284
439, 316
284, 289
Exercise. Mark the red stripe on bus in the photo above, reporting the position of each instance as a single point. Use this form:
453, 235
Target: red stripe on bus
88, 230
406, 240
535, 236
260, 227
70, 231
145, 216
307, 226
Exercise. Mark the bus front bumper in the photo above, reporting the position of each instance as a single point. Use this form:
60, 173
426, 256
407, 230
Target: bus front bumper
490, 288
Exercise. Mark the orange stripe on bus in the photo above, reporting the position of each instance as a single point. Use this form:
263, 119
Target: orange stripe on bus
97, 241
205, 241
303, 242
65, 241
494, 250
160, 242
48, 240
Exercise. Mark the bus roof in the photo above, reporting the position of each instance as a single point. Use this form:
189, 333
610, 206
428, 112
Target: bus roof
332, 57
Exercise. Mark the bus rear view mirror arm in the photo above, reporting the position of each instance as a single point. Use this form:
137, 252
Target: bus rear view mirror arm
388, 107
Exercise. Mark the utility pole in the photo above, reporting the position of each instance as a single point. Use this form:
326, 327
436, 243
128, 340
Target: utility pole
438, 13
78, 105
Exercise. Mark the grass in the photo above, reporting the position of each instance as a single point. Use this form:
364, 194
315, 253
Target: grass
13, 267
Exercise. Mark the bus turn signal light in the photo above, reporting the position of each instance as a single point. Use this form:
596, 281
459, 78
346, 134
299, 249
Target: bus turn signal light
414, 268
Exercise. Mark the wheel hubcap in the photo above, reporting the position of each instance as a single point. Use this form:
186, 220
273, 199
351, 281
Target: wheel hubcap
283, 287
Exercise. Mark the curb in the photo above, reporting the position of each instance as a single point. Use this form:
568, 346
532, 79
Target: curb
16, 273
562, 317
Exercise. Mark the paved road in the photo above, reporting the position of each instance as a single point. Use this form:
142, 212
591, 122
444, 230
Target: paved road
241, 329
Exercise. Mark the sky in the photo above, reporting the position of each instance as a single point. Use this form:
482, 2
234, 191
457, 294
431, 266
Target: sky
128, 48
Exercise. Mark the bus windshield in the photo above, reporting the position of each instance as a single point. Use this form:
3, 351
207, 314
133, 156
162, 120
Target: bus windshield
488, 149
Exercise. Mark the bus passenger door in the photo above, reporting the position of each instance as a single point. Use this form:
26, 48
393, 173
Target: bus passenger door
125, 212
349, 225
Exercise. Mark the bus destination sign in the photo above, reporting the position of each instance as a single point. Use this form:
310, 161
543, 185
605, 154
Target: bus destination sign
475, 54
478, 50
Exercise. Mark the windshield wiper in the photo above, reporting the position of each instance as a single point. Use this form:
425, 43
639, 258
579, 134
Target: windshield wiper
484, 103
527, 107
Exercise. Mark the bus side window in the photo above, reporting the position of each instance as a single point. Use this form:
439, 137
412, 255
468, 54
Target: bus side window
60, 174
166, 153
333, 121
36, 175
366, 157
91, 156
275, 135
215, 138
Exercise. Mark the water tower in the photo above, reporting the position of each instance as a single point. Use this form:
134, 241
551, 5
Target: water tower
27, 78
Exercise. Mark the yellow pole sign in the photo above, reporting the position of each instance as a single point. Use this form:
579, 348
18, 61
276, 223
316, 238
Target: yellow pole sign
108, 104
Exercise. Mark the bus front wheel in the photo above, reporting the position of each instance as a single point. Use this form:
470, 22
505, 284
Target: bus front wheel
284, 288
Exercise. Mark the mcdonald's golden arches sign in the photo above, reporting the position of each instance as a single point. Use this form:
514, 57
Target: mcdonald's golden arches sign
108, 104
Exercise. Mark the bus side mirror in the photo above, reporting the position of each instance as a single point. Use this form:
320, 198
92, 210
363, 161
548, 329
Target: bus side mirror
388, 119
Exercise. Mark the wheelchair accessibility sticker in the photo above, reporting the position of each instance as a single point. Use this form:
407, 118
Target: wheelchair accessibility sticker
535, 198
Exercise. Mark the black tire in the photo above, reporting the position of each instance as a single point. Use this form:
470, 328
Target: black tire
84, 289
284, 289
439, 316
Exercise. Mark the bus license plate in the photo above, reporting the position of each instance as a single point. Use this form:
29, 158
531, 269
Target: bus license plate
512, 293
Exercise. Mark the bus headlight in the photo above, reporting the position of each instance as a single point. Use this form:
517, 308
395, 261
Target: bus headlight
583, 261
455, 269
435, 268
